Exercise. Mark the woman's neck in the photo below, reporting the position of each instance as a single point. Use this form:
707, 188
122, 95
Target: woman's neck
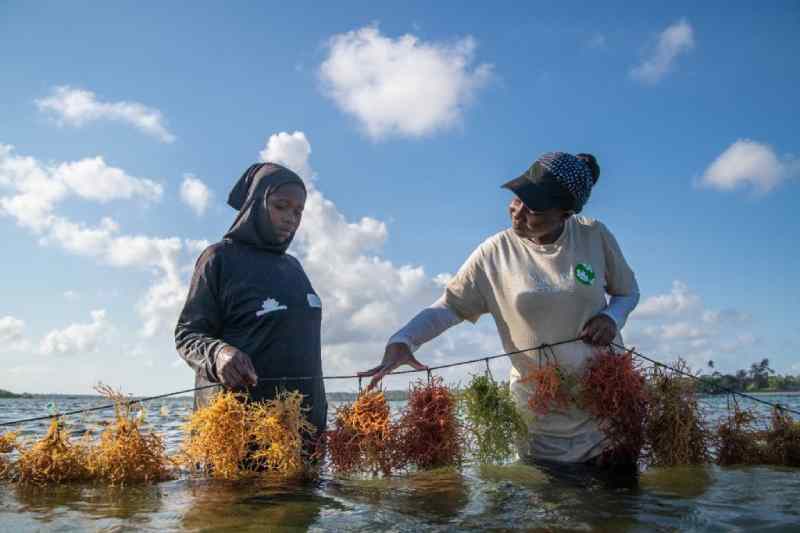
551, 237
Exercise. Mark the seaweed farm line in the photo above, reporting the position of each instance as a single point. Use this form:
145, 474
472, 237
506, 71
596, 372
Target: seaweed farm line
472, 498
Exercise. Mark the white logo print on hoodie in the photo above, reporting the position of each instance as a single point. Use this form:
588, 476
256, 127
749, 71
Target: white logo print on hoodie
269, 306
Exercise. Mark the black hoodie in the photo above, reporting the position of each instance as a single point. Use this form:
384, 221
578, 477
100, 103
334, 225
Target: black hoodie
248, 293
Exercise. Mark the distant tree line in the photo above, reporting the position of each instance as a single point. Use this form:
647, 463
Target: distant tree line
758, 378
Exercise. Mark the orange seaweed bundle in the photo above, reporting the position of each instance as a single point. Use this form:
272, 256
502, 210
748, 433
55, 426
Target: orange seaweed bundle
125, 452
53, 459
430, 432
613, 390
548, 389
364, 438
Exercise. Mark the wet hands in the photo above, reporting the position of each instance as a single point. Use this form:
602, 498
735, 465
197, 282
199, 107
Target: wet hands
396, 354
235, 369
600, 330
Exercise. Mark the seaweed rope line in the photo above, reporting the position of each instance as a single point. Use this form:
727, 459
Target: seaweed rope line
428, 369
701, 380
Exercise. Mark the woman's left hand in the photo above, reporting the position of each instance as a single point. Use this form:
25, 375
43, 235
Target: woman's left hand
600, 330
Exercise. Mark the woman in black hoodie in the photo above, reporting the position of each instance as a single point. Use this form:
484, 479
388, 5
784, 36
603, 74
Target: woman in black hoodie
251, 312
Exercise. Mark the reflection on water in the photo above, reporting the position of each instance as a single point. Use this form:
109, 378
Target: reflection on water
518, 496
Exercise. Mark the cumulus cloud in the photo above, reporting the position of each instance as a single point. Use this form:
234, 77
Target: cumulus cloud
676, 40
11, 330
365, 297
37, 189
678, 301
195, 194
93, 179
404, 86
291, 150
77, 338
748, 163
679, 324
77, 107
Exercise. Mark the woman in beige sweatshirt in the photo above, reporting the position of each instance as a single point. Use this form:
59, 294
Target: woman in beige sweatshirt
544, 280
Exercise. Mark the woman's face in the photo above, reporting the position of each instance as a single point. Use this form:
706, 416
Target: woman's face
536, 225
285, 207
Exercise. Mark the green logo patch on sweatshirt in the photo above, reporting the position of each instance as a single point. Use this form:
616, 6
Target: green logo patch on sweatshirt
584, 273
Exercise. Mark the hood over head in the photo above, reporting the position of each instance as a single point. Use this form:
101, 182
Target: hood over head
253, 225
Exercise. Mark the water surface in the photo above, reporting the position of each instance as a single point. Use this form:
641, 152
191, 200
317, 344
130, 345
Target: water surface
498, 498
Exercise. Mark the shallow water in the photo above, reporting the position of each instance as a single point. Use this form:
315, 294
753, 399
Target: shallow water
498, 498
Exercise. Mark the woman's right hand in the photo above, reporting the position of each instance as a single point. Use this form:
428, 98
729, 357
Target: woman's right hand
396, 354
235, 369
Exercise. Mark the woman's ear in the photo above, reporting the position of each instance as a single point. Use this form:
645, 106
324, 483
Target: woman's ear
566, 214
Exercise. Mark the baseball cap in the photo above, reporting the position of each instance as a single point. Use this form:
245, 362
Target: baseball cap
555, 180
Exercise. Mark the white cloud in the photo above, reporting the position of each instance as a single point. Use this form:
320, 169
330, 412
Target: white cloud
71, 295
677, 39
727, 316
93, 179
195, 194
677, 330
403, 86
196, 246
77, 107
77, 338
291, 150
11, 330
747, 162
679, 300
37, 188
365, 297
678, 324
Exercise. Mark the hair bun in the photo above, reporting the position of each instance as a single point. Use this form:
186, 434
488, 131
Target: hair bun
591, 161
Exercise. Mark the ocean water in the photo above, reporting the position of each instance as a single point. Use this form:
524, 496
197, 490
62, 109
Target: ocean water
513, 497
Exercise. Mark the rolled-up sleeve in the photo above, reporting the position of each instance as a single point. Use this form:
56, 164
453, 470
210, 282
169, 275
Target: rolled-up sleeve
197, 334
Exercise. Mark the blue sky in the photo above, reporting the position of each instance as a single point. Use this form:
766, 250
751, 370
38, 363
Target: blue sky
413, 116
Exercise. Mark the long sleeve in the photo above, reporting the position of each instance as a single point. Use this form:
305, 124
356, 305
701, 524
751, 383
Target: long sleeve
200, 323
426, 325
619, 307
621, 282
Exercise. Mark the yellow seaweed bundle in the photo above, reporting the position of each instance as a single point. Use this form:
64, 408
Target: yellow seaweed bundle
278, 428
217, 437
125, 452
232, 438
53, 459
8, 441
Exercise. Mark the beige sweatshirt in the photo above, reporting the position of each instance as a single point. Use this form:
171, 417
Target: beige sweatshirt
545, 294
